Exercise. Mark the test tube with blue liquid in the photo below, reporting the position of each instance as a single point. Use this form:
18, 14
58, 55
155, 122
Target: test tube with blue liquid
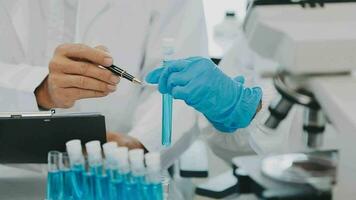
67, 178
153, 177
167, 99
55, 176
136, 157
77, 165
110, 167
122, 176
96, 170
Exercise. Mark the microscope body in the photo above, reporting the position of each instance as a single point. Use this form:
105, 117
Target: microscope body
308, 39
314, 43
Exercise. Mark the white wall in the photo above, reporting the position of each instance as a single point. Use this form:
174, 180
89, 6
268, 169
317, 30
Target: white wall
215, 12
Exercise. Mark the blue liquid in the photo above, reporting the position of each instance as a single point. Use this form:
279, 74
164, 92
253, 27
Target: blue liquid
102, 187
127, 187
116, 189
115, 184
77, 181
88, 186
67, 185
54, 185
96, 169
156, 191
146, 192
128, 191
167, 101
137, 187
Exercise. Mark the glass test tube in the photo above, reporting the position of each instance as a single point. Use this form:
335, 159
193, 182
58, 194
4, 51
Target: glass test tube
55, 177
67, 177
167, 99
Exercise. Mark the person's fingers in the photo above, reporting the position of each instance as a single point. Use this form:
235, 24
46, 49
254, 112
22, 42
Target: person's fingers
82, 82
103, 48
84, 52
87, 69
124, 140
193, 92
180, 92
169, 68
177, 79
153, 76
77, 93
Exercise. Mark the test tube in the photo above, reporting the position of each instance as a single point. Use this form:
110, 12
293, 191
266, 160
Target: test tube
96, 166
154, 189
136, 158
55, 176
167, 99
67, 177
77, 165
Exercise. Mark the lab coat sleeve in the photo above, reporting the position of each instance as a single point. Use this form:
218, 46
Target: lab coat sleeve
20, 82
240, 60
183, 21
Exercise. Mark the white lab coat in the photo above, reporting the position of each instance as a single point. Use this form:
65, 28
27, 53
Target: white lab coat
132, 30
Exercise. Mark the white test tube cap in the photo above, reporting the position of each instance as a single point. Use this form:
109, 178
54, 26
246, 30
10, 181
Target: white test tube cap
136, 157
122, 156
153, 161
108, 148
94, 151
74, 150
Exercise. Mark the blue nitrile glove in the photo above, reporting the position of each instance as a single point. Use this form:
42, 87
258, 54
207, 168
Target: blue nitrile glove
225, 102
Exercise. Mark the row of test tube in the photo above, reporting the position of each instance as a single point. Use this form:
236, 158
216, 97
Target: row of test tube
120, 175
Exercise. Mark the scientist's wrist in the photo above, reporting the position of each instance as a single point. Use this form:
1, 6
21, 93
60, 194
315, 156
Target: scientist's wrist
42, 96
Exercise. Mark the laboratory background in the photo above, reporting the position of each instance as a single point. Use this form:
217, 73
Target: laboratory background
177, 99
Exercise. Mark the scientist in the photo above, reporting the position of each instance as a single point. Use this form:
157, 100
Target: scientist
47, 60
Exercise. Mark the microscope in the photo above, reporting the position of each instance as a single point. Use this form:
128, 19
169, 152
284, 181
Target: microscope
314, 43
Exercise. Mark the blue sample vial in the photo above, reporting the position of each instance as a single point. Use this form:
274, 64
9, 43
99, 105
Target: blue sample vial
67, 185
55, 176
153, 177
54, 185
167, 99
101, 182
77, 172
88, 186
115, 185
67, 178
136, 157
137, 185
121, 178
77, 167
95, 163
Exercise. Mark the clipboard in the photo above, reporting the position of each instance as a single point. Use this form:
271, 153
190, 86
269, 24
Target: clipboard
28, 137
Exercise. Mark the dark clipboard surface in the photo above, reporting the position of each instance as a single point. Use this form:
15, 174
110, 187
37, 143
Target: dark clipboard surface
29, 139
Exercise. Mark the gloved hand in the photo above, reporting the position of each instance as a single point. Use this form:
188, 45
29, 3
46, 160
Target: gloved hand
225, 102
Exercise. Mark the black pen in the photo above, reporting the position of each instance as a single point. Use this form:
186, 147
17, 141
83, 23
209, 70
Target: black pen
122, 73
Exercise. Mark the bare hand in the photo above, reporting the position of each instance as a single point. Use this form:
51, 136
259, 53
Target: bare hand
74, 74
124, 140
